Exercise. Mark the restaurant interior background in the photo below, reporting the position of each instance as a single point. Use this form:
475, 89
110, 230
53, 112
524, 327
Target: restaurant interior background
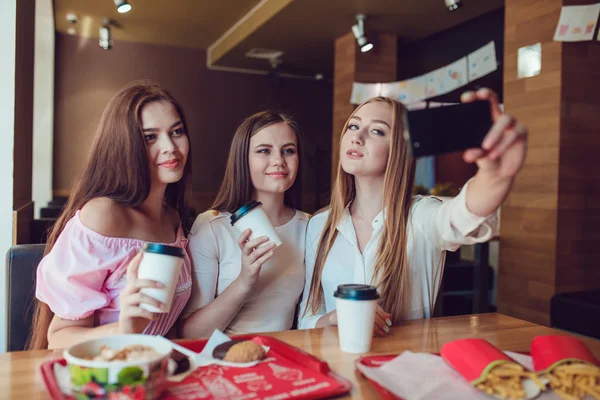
57, 78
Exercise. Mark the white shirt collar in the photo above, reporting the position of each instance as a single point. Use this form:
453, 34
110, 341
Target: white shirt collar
346, 227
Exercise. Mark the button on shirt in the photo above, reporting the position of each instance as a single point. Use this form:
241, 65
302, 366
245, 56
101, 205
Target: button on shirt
434, 228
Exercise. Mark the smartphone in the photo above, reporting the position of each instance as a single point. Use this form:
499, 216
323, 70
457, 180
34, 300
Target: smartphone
447, 129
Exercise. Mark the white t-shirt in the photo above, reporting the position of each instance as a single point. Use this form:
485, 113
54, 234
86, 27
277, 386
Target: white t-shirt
217, 262
434, 227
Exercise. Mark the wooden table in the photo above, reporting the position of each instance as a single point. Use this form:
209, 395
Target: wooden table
20, 377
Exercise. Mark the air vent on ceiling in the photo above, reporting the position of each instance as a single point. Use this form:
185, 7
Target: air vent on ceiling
264, 54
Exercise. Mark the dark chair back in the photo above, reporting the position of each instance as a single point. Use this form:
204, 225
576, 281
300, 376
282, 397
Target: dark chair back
574, 312
21, 263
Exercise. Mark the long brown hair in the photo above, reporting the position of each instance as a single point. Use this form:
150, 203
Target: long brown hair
117, 168
390, 271
236, 188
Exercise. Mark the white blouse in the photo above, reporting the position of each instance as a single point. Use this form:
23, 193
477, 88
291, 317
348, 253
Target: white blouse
434, 228
217, 262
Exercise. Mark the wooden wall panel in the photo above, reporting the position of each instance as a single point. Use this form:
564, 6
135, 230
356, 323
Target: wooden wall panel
551, 220
529, 227
379, 64
23, 133
23, 140
579, 171
344, 72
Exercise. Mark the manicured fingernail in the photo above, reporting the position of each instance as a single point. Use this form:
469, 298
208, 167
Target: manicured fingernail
466, 96
386, 329
389, 322
270, 253
272, 245
484, 91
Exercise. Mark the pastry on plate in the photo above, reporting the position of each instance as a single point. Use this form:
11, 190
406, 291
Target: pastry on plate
239, 351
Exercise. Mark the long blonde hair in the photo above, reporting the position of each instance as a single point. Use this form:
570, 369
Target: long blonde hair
390, 271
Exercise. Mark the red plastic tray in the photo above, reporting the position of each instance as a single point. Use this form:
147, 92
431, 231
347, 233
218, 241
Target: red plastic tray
289, 369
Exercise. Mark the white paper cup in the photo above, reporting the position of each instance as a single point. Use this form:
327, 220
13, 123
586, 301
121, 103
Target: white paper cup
252, 216
160, 263
356, 305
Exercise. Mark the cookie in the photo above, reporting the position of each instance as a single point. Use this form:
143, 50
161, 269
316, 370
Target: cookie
241, 352
222, 349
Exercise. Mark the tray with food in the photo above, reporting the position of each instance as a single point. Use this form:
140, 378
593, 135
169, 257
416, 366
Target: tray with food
559, 367
144, 367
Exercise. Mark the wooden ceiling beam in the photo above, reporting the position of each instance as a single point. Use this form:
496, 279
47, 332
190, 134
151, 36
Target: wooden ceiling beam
248, 24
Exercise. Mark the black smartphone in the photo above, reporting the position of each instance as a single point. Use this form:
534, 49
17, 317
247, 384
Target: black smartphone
447, 129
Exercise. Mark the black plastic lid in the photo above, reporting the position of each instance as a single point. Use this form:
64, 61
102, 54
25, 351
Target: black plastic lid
356, 292
243, 210
163, 249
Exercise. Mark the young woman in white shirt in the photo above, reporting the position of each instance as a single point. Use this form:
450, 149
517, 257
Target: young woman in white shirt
240, 287
375, 232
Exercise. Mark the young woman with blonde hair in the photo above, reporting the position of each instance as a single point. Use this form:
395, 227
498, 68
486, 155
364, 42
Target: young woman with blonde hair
375, 232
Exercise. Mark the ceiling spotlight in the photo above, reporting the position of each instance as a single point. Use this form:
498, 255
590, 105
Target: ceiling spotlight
366, 47
123, 6
359, 33
105, 37
452, 5
72, 18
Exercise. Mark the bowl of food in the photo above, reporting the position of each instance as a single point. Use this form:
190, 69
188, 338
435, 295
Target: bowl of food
126, 366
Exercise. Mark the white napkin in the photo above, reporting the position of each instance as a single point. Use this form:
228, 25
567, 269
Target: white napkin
63, 378
205, 357
416, 376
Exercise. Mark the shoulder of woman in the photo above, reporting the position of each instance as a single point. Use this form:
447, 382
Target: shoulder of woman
319, 217
317, 221
105, 216
425, 202
207, 218
303, 216
214, 215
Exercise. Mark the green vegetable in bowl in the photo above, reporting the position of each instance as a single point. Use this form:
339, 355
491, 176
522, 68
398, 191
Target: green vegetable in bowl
79, 375
131, 375
99, 375
83, 375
